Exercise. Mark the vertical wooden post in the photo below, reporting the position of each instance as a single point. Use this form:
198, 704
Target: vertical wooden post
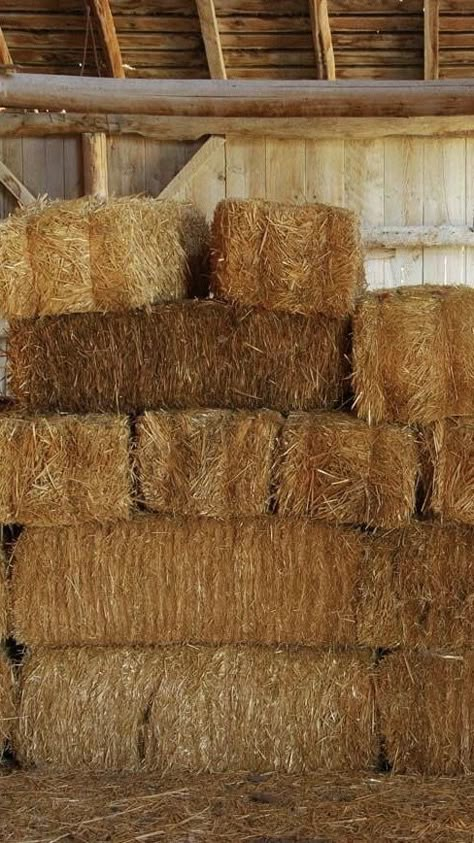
431, 31
94, 158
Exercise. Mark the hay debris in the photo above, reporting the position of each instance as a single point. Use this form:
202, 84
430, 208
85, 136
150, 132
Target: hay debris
417, 588
230, 808
157, 580
58, 470
300, 258
450, 483
426, 704
7, 702
197, 709
339, 468
414, 354
86, 254
182, 355
210, 462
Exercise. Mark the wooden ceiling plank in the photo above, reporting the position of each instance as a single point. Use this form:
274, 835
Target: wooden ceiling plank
102, 14
431, 31
212, 39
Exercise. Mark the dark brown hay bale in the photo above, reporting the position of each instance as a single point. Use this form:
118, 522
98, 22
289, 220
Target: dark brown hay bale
229, 808
180, 355
64, 469
336, 467
155, 579
300, 258
426, 704
7, 702
417, 588
450, 483
414, 354
197, 709
209, 462
86, 254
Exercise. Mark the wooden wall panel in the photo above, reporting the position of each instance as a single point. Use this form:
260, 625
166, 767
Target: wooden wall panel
444, 172
403, 205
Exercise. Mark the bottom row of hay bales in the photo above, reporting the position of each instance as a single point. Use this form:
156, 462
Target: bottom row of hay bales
200, 708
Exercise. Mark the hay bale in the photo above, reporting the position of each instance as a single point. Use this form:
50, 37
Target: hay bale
158, 580
197, 709
450, 482
300, 258
210, 462
7, 702
180, 355
64, 469
336, 467
426, 705
414, 354
417, 587
87, 254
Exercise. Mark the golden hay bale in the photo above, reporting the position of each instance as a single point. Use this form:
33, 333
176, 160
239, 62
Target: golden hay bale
414, 354
450, 483
417, 587
64, 469
209, 462
426, 705
301, 258
336, 467
197, 709
180, 355
158, 580
87, 254
7, 701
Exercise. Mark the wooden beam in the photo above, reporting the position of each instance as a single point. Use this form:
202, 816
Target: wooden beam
407, 237
43, 124
322, 39
100, 10
316, 42
235, 98
211, 37
94, 157
187, 173
5, 57
15, 186
431, 30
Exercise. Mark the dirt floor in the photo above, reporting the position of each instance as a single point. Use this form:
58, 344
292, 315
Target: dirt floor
124, 808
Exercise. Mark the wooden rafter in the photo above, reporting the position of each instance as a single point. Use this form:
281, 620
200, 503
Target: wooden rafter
431, 35
102, 14
322, 39
211, 37
5, 57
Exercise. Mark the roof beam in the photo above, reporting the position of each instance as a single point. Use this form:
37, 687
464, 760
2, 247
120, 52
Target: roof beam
102, 14
322, 39
5, 56
316, 42
236, 98
211, 37
431, 39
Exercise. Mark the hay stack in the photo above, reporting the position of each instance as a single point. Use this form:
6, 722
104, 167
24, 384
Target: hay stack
300, 258
58, 470
7, 702
197, 709
153, 580
426, 704
179, 355
210, 462
450, 447
417, 588
338, 468
414, 354
86, 254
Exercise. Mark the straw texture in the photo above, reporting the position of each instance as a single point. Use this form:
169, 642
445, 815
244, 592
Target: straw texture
229, 808
426, 704
181, 355
300, 258
450, 447
156, 579
414, 354
197, 709
210, 462
336, 467
60, 470
418, 588
86, 254
7, 702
